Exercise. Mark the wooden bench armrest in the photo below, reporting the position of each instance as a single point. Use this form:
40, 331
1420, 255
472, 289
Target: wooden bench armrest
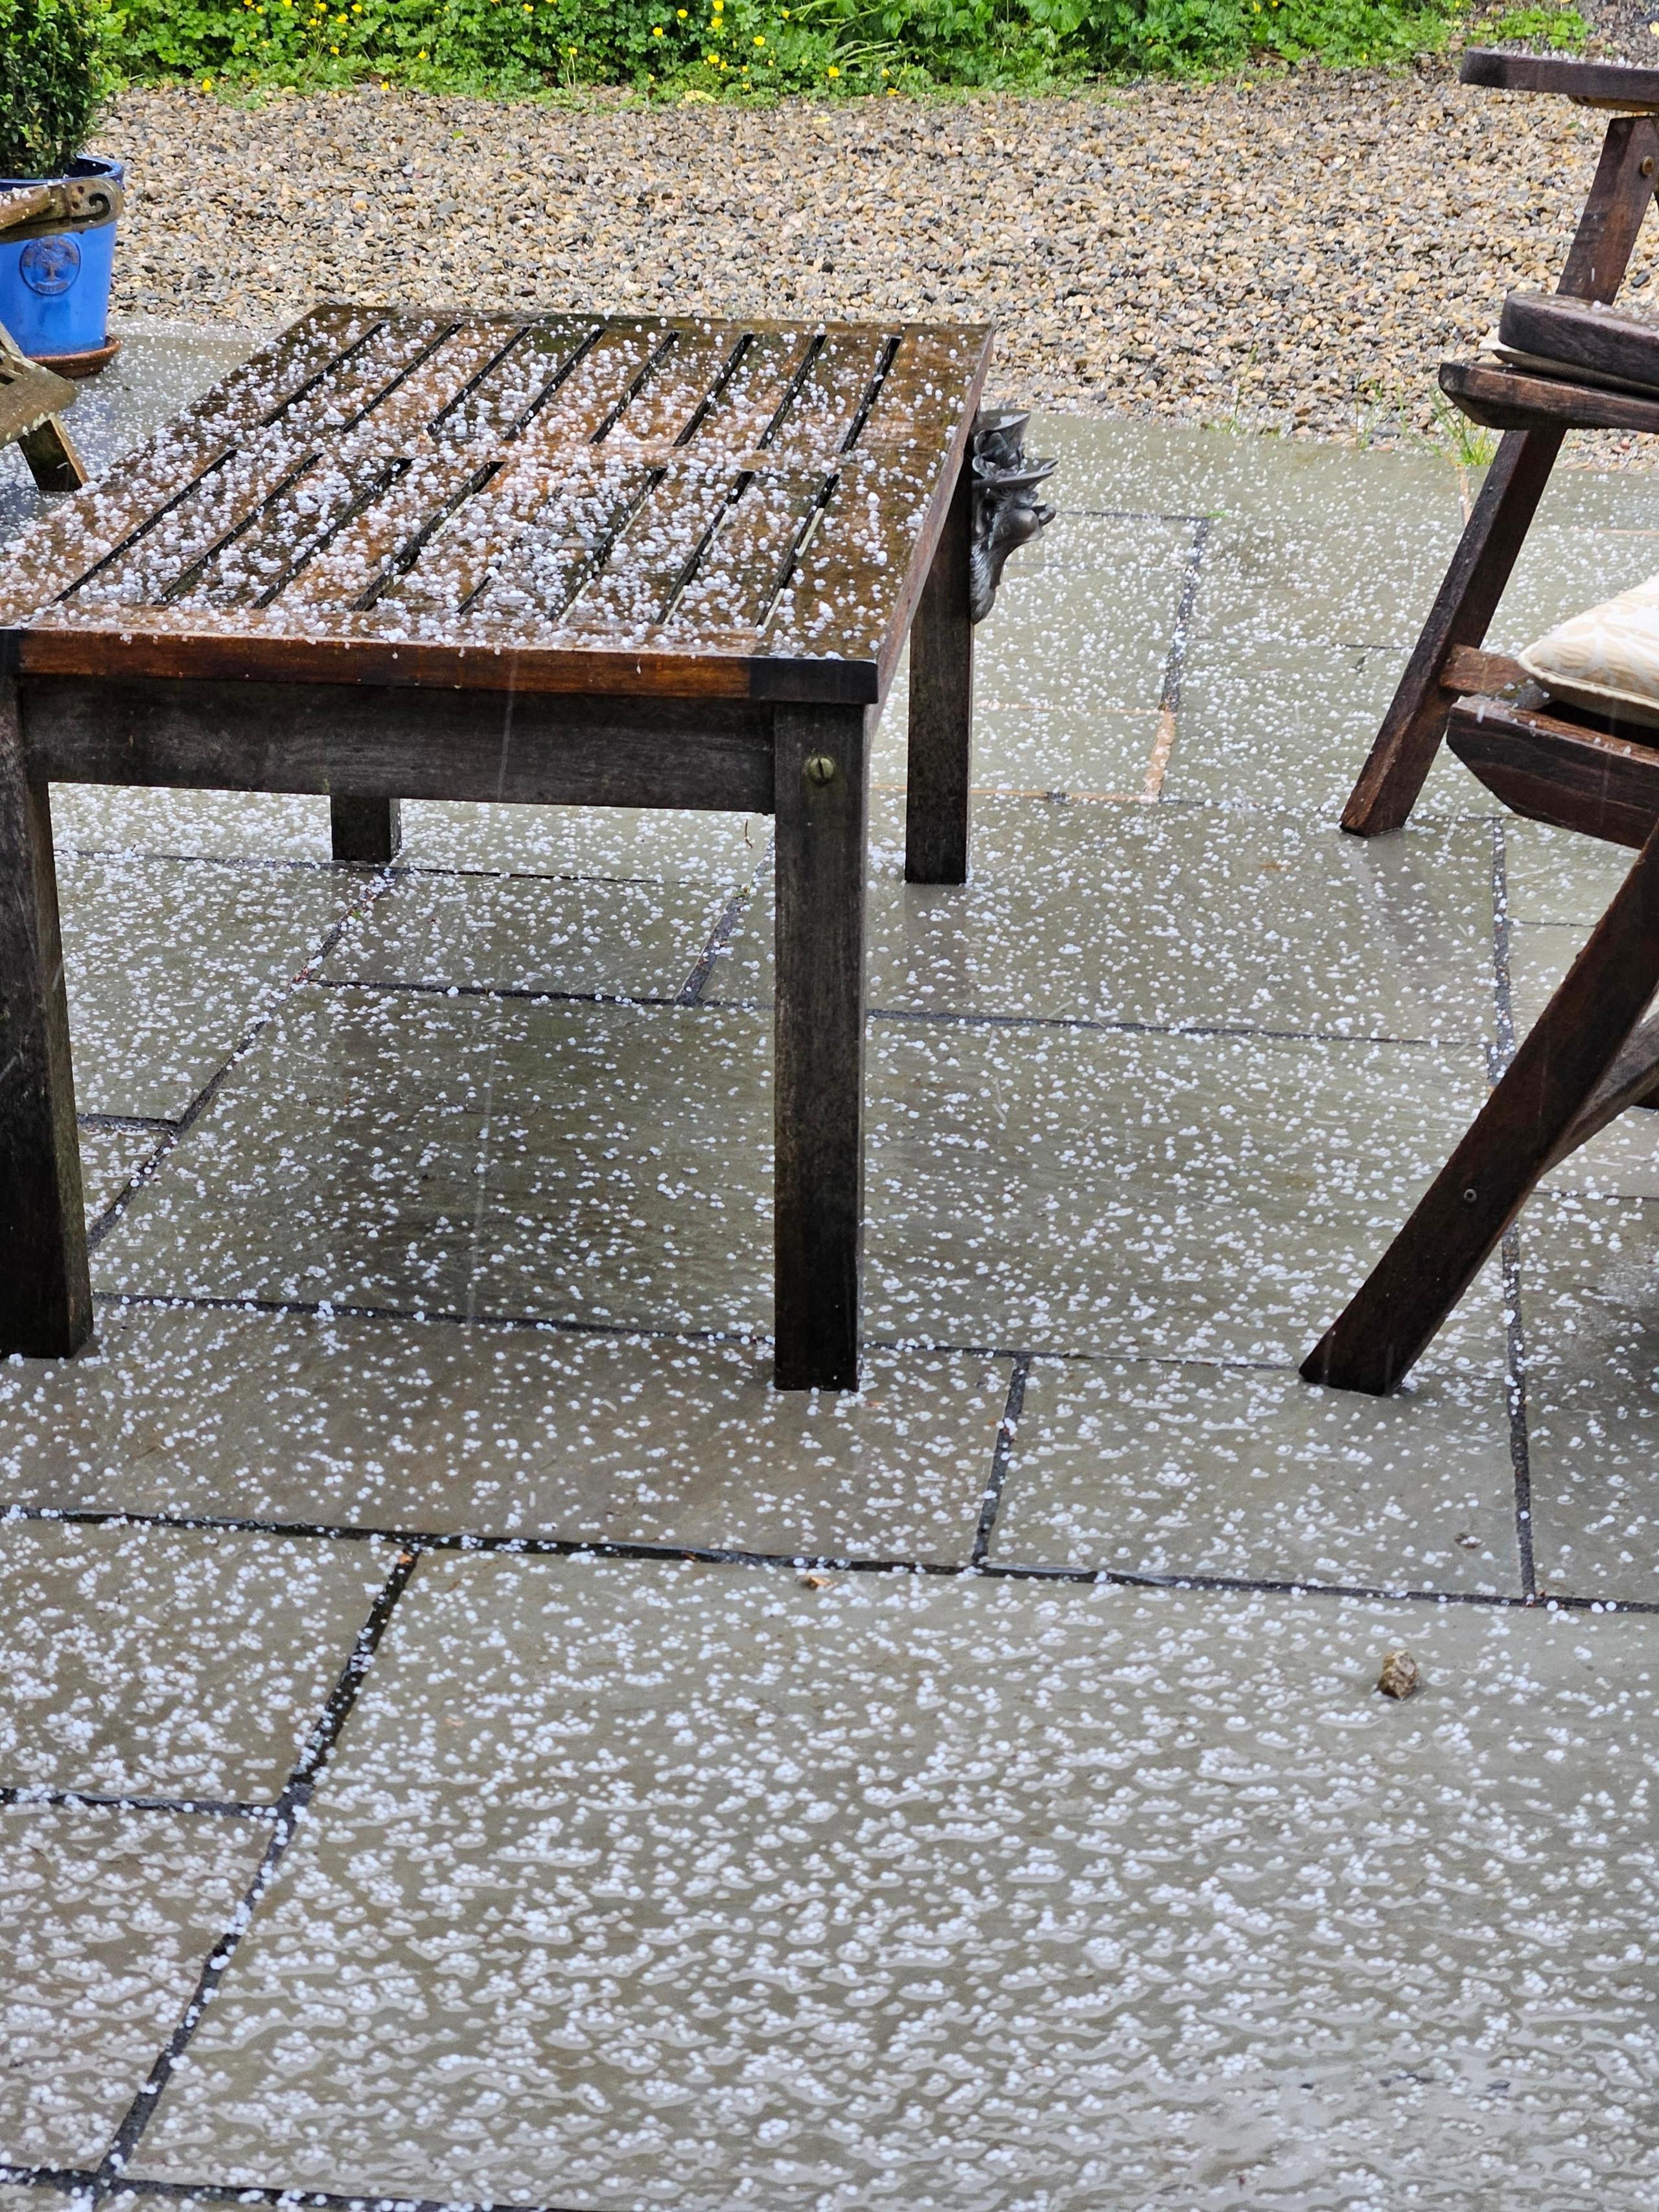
1469, 670
1560, 772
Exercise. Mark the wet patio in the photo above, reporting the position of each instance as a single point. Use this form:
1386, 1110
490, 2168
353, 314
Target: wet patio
579, 1776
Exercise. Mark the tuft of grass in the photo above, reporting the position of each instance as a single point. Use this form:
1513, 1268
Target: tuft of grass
1466, 445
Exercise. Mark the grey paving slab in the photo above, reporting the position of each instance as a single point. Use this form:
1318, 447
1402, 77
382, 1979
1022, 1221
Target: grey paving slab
1289, 722
1561, 571
1058, 739
1174, 916
501, 1432
110, 1158
1600, 499
167, 960
161, 1662
1348, 577
1623, 1162
1218, 1197
536, 933
105, 1919
1553, 876
1160, 1467
628, 842
1139, 466
1071, 1190
1590, 1302
695, 1886
1087, 751
1085, 639
229, 825
567, 1162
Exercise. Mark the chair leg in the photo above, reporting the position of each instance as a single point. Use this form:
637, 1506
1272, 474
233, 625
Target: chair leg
46, 1295
1412, 729
1570, 1076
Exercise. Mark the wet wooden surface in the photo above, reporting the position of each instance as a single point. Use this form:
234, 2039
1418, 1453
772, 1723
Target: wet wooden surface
1550, 769
1625, 87
563, 503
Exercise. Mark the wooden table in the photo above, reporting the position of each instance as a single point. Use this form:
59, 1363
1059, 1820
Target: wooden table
1534, 416
565, 560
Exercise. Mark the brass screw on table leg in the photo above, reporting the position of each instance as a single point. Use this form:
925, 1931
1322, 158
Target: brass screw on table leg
820, 769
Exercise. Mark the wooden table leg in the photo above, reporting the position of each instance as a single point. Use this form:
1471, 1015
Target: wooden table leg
1566, 1082
1406, 743
367, 830
46, 1297
942, 707
822, 806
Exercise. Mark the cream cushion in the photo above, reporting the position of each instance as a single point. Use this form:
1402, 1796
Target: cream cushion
1606, 659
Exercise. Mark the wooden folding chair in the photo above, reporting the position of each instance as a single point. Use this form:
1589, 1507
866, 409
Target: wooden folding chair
1589, 1056
32, 398
1534, 412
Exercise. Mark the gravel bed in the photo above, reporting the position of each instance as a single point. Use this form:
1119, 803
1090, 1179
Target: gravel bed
1293, 252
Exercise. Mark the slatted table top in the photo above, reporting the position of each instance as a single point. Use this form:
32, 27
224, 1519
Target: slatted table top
558, 503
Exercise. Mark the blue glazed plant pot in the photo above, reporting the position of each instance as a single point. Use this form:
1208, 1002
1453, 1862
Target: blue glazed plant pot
54, 292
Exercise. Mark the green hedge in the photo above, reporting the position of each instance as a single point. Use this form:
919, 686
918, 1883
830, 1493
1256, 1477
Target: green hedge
51, 79
759, 48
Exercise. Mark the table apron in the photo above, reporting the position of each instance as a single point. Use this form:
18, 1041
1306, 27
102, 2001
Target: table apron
363, 741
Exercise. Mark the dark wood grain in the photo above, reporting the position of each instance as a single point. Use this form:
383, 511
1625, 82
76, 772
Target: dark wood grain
1624, 86
822, 833
1546, 1092
544, 505
1405, 746
940, 769
1582, 335
1468, 669
1560, 772
1516, 399
368, 832
357, 742
164, 649
45, 1297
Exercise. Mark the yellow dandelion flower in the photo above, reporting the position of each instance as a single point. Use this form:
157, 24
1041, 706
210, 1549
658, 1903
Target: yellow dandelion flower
832, 71
656, 30
760, 41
